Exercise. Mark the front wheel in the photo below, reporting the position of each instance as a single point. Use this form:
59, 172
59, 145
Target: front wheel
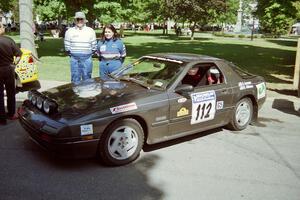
242, 115
121, 143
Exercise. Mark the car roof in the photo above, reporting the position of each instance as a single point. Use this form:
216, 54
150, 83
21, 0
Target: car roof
184, 57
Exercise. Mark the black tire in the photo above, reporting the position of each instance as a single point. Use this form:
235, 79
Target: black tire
121, 143
237, 123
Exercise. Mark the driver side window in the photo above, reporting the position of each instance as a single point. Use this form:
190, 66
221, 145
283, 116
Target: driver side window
203, 74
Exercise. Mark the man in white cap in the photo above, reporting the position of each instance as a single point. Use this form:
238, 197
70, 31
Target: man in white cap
80, 44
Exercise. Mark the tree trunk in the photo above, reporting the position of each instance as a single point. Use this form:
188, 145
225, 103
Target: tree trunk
164, 28
27, 26
91, 15
193, 31
297, 70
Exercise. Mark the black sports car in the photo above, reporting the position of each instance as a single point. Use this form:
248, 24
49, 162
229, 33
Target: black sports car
159, 97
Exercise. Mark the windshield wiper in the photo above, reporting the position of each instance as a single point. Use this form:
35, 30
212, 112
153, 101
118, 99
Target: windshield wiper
113, 77
122, 71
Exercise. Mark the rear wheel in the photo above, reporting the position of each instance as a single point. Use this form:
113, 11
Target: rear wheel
242, 115
121, 143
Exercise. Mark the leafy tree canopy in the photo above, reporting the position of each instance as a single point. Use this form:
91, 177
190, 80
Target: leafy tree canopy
276, 16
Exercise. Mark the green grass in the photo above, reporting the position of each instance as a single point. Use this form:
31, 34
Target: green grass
265, 57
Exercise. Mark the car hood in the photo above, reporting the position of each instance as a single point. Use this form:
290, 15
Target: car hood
96, 95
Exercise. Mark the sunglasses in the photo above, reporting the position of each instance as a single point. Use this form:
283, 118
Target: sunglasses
79, 19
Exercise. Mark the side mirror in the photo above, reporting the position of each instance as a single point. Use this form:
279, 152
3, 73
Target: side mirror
184, 89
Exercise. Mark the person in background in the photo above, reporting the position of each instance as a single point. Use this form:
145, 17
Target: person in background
8, 50
111, 50
122, 31
80, 45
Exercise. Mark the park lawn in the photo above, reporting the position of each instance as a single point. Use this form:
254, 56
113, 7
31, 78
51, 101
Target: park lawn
271, 58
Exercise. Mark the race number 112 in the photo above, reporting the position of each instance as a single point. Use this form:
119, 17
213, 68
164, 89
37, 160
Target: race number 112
203, 110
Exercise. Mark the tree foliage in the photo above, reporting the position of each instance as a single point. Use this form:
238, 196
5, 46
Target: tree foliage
6, 6
199, 12
12, 5
108, 12
50, 9
276, 16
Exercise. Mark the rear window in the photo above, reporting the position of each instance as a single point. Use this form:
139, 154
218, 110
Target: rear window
239, 71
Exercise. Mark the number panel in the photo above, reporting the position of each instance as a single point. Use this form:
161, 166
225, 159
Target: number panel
203, 106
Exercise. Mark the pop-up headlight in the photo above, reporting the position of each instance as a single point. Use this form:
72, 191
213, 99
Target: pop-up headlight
49, 106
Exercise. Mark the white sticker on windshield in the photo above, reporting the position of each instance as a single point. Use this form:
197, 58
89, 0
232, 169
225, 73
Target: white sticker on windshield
203, 106
158, 84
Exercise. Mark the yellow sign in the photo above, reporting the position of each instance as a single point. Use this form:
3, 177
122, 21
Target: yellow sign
26, 69
182, 112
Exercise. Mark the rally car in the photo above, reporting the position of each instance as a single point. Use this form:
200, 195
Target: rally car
149, 101
26, 72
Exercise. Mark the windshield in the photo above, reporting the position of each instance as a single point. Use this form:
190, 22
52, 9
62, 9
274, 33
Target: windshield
150, 72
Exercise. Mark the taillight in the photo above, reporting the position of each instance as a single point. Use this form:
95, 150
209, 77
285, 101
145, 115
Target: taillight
30, 59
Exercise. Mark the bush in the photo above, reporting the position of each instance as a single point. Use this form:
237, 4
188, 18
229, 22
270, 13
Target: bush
219, 34
229, 35
254, 36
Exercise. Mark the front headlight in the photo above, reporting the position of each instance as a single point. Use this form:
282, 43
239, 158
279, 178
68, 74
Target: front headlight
49, 106
29, 95
39, 102
32, 96
42, 102
34, 99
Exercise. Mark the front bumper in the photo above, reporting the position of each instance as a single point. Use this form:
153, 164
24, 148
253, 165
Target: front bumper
61, 147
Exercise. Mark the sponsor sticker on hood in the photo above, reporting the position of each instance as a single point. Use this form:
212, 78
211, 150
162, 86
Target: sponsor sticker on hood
123, 108
86, 129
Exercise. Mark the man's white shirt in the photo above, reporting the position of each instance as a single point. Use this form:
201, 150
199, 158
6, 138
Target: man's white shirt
80, 40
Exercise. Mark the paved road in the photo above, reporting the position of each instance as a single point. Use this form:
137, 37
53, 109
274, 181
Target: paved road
261, 162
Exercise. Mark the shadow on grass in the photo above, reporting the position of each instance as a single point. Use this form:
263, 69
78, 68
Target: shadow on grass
257, 60
51, 47
262, 61
286, 92
289, 43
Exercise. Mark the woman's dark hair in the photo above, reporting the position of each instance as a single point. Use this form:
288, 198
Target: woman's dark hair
111, 27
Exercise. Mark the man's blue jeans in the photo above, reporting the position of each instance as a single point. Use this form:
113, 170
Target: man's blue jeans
81, 67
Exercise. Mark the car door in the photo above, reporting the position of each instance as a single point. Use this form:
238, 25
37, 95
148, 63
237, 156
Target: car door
203, 108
